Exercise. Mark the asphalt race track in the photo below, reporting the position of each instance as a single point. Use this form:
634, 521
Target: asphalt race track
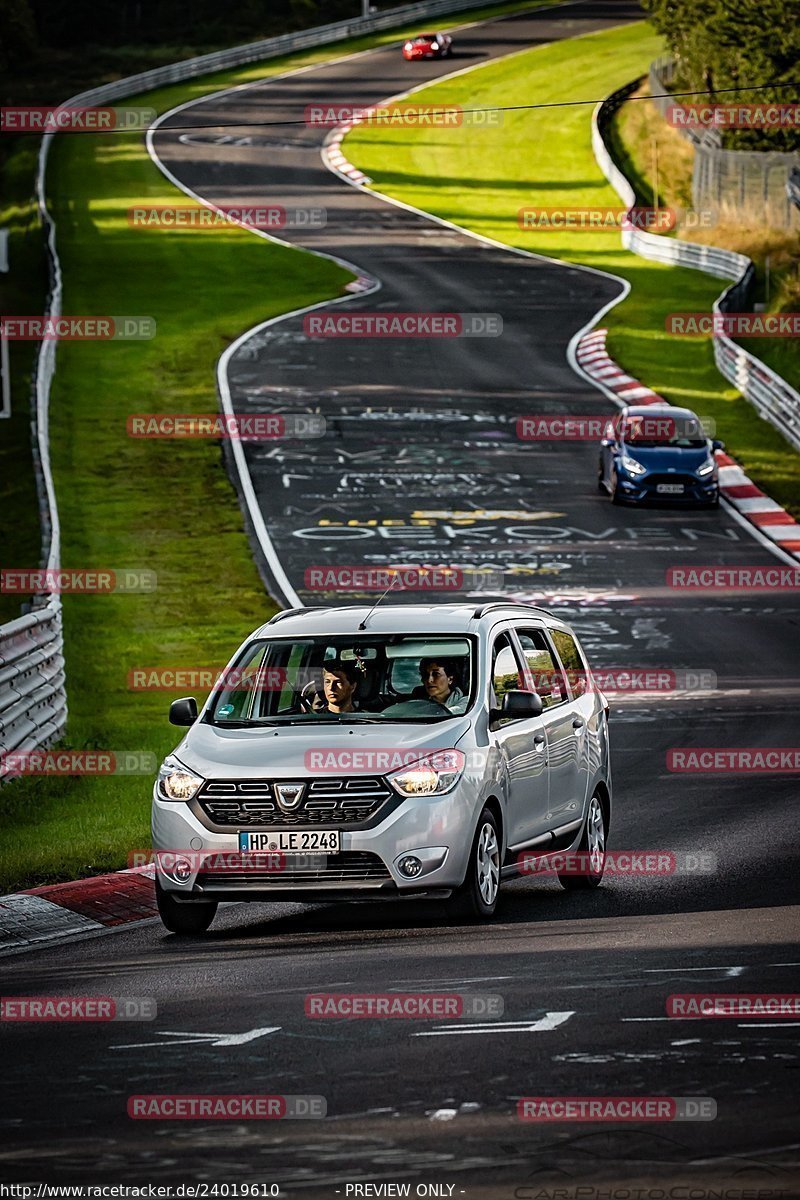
421, 443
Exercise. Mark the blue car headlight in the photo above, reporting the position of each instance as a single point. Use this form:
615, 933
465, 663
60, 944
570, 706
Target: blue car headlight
706, 468
631, 465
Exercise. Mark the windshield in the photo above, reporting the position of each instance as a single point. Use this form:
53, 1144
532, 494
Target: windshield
346, 679
659, 431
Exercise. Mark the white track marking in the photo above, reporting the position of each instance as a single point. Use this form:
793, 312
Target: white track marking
545, 1024
203, 1039
731, 972
769, 1025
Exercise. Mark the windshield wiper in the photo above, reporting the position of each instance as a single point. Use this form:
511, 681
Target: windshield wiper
359, 719
239, 724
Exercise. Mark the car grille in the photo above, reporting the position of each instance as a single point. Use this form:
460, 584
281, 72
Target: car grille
249, 804
349, 867
688, 481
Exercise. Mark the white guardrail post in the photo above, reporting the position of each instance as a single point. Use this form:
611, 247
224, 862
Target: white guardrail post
771, 396
33, 700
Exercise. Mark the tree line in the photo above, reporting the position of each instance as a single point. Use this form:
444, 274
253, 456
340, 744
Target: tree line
30, 26
742, 51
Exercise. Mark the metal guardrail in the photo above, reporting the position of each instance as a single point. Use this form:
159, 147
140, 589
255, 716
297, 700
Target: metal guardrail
33, 700
771, 396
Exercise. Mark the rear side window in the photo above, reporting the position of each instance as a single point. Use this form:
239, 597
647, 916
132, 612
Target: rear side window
505, 669
570, 656
548, 678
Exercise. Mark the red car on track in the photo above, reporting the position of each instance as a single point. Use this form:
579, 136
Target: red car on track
428, 45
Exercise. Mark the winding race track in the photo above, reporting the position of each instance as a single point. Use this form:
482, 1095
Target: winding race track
421, 464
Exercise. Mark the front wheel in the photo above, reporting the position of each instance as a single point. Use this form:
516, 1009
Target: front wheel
476, 899
592, 851
188, 917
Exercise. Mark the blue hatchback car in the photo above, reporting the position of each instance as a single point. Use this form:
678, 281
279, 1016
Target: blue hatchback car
658, 452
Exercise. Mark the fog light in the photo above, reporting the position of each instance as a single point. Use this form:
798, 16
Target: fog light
409, 866
181, 870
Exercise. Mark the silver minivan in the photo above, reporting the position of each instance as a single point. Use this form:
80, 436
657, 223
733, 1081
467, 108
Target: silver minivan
408, 750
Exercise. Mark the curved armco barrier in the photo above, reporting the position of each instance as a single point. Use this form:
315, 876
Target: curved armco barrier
770, 395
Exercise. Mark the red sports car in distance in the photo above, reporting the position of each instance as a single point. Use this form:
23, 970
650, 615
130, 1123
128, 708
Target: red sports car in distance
428, 45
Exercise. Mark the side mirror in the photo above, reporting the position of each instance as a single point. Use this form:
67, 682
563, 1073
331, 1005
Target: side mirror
522, 704
183, 712
717, 444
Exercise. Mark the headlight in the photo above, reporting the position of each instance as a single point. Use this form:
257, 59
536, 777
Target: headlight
433, 775
408, 46
175, 782
707, 467
631, 465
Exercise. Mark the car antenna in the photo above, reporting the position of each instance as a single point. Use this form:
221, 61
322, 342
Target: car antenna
363, 624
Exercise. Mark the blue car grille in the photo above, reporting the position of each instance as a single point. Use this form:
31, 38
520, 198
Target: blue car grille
688, 481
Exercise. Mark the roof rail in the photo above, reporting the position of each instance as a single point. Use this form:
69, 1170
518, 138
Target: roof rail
484, 608
291, 612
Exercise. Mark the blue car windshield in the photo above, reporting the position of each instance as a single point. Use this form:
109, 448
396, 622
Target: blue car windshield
678, 443
660, 430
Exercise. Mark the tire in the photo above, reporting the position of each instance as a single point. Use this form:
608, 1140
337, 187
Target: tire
601, 487
592, 844
189, 918
476, 899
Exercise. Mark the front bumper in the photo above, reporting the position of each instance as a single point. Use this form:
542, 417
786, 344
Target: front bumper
645, 489
437, 830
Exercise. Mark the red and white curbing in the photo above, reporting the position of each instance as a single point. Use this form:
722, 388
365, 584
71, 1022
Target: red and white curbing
38, 917
754, 505
334, 158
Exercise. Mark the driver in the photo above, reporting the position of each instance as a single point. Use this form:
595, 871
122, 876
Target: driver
439, 677
339, 682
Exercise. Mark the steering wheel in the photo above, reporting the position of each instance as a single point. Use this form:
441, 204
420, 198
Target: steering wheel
300, 703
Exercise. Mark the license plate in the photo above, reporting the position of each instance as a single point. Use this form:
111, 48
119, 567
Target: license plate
292, 841
670, 489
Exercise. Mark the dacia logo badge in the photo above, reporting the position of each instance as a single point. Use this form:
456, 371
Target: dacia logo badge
289, 795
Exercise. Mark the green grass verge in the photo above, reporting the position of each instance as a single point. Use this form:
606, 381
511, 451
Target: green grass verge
480, 179
165, 506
